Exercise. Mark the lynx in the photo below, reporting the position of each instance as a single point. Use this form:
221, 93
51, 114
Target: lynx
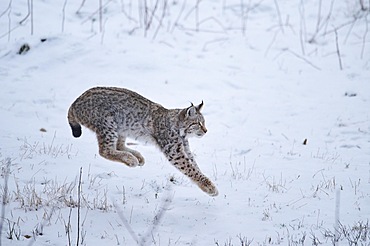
115, 114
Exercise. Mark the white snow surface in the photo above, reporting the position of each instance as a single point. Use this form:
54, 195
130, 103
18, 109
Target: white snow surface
272, 75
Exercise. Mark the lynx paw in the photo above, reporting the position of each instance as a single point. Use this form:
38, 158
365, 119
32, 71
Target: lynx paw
207, 186
130, 160
139, 157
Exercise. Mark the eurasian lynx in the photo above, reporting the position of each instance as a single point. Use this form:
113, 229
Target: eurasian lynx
116, 113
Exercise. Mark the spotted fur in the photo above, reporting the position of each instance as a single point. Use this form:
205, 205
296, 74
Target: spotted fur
115, 114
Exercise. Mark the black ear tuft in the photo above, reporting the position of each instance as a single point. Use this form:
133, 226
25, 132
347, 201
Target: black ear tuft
200, 106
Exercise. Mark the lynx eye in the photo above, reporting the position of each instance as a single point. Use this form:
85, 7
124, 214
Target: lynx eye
194, 124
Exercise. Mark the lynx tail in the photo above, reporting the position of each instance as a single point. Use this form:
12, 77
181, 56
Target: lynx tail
75, 126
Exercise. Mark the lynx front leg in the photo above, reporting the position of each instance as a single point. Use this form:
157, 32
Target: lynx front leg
122, 147
178, 157
108, 149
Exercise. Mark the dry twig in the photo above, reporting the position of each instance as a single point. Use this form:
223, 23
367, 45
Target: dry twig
338, 51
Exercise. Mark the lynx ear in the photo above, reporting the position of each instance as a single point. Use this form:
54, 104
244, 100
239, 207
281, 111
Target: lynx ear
188, 112
191, 111
200, 106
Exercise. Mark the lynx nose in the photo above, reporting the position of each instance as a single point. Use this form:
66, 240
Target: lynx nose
204, 129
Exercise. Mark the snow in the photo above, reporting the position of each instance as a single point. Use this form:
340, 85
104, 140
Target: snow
270, 77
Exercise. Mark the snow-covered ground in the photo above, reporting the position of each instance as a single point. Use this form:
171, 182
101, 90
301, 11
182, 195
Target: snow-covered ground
286, 87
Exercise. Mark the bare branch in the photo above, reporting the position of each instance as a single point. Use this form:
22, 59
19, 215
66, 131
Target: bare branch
338, 51
64, 14
28, 13
79, 207
31, 11
128, 15
161, 19
9, 21
7, 9
82, 4
5, 195
364, 37
43, 223
178, 16
96, 11
279, 15
303, 59
197, 15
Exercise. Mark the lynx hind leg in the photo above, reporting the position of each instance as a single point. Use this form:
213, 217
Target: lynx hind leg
122, 147
108, 149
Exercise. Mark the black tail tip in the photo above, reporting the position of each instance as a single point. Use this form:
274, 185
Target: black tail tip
76, 130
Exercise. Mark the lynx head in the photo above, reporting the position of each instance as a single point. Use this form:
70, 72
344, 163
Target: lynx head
192, 121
